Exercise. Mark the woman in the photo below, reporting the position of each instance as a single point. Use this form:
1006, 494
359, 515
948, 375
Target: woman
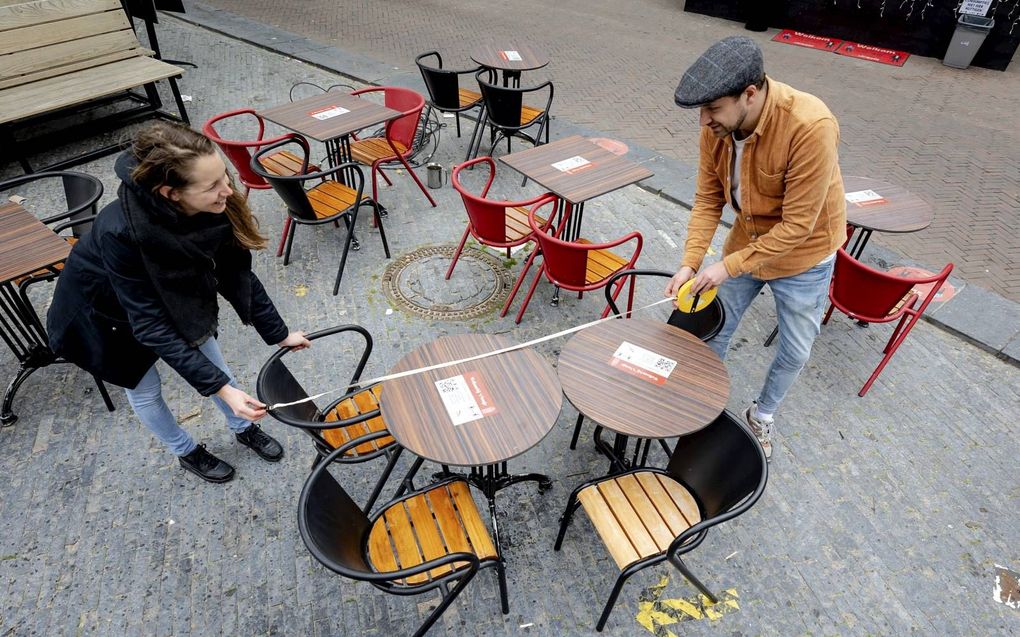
142, 285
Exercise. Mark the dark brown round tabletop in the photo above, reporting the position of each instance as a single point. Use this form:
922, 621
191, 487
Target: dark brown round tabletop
630, 400
503, 57
901, 210
516, 393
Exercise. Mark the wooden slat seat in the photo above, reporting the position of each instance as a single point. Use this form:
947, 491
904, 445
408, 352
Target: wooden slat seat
517, 226
360, 403
529, 114
371, 149
331, 197
638, 515
601, 264
285, 164
469, 97
427, 526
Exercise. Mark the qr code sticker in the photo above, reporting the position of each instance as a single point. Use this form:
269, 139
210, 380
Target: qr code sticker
447, 385
664, 365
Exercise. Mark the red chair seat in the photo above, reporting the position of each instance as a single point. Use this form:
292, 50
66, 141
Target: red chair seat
517, 223
367, 151
601, 264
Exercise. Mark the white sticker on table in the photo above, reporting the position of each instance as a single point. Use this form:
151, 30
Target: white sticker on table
643, 363
865, 198
571, 164
511, 56
465, 397
329, 112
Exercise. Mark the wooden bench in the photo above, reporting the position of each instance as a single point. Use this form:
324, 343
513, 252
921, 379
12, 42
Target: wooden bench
58, 57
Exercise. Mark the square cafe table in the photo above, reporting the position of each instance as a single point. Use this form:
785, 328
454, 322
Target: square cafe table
642, 378
575, 170
477, 414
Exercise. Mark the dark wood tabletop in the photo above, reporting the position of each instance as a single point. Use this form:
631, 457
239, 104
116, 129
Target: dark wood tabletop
604, 172
26, 245
901, 210
518, 393
298, 116
627, 399
498, 57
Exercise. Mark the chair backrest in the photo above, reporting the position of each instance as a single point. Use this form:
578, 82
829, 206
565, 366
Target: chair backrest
276, 384
332, 525
443, 86
487, 216
704, 324
290, 187
502, 104
721, 465
411, 103
239, 151
81, 194
865, 292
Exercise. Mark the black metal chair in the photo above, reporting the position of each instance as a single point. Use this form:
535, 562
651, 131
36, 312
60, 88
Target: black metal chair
508, 116
704, 324
647, 516
331, 201
445, 93
383, 549
351, 417
81, 197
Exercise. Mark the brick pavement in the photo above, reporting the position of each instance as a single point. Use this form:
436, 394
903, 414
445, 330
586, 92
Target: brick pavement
948, 135
883, 515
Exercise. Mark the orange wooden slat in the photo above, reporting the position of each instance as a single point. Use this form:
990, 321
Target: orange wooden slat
664, 504
476, 530
684, 500
608, 527
628, 518
404, 541
425, 530
468, 97
643, 506
448, 521
380, 551
528, 114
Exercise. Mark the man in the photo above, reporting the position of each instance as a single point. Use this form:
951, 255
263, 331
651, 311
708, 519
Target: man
770, 152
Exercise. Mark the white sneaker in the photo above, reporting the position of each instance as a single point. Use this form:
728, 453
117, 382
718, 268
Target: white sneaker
762, 428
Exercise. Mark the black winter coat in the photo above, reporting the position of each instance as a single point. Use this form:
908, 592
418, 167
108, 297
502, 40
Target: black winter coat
107, 317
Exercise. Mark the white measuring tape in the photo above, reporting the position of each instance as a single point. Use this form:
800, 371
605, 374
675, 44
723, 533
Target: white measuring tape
412, 372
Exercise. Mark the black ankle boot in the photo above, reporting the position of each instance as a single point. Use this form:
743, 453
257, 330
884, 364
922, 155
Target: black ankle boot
261, 442
206, 466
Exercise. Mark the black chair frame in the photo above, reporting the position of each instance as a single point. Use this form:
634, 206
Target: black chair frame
332, 549
444, 90
686, 466
503, 111
291, 189
276, 384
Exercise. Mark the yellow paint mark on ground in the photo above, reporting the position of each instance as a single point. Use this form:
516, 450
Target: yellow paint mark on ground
300, 290
655, 613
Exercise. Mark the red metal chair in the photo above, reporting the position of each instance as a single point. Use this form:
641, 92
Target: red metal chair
239, 153
580, 265
395, 145
495, 223
869, 295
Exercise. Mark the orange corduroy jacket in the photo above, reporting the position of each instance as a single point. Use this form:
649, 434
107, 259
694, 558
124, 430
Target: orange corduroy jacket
792, 207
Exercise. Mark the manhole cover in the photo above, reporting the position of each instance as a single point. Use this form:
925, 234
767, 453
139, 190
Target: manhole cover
416, 282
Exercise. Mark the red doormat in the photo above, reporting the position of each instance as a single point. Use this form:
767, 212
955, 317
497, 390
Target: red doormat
873, 53
806, 39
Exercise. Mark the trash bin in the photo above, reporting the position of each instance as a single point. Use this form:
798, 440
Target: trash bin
967, 39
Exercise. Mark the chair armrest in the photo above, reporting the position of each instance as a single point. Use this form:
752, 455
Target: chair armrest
74, 222
630, 272
455, 178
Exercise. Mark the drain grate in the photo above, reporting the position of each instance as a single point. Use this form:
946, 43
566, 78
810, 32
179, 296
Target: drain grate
415, 283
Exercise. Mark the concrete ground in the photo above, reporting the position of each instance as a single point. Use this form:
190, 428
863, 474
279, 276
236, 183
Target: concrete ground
883, 515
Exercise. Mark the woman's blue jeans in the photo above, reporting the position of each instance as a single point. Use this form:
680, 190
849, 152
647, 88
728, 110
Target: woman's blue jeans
800, 301
147, 401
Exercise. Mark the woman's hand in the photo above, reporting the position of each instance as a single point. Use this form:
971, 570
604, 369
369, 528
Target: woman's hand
681, 277
243, 405
295, 341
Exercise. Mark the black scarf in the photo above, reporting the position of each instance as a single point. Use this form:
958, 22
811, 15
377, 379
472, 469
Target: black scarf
186, 256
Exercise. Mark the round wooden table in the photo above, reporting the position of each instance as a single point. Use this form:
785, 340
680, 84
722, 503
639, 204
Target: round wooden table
627, 398
898, 211
504, 58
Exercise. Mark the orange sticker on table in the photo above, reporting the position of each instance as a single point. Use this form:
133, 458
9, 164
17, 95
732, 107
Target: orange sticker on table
480, 392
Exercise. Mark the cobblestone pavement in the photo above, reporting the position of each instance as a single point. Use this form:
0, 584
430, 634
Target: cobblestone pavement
883, 515
949, 135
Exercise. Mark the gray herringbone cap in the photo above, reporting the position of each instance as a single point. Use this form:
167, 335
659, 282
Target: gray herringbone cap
727, 67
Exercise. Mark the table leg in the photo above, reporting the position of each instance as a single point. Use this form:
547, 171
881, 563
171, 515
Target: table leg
571, 231
23, 333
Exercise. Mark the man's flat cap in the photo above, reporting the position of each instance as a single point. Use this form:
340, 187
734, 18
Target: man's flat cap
727, 67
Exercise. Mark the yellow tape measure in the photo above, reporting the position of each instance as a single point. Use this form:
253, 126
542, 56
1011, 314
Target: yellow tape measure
685, 300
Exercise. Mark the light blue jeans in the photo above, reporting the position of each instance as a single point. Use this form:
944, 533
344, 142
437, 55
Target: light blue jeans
800, 302
147, 401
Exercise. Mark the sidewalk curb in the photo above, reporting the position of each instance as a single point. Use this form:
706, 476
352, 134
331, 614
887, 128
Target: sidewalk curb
976, 315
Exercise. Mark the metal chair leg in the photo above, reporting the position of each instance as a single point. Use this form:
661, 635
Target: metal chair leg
679, 564
568, 515
290, 243
102, 392
445, 603
343, 256
617, 587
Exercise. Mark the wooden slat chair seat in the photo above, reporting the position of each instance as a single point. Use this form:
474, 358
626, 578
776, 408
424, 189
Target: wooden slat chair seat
285, 163
601, 264
331, 197
372, 149
59, 267
468, 97
517, 223
639, 514
427, 526
360, 403
529, 114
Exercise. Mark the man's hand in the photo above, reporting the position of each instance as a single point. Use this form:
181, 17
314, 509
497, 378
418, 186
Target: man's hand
710, 277
682, 276
243, 405
295, 341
